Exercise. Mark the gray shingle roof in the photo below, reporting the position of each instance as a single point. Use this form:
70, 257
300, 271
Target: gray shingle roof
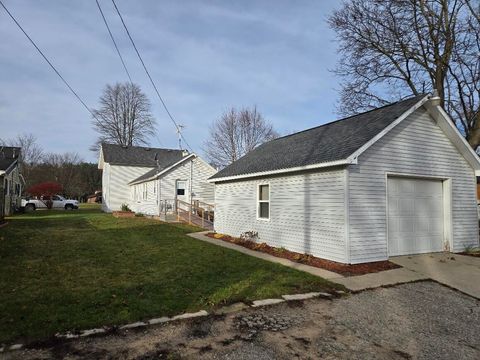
333, 141
139, 155
8, 155
154, 171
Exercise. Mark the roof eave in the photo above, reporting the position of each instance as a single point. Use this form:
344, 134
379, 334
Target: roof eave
11, 166
352, 159
101, 162
156, 176
444, 121
328, 164
387, 129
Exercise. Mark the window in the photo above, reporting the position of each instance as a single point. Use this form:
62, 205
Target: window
263, 201
181, 185
145, 192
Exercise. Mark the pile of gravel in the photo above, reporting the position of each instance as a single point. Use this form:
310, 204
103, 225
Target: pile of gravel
256, 322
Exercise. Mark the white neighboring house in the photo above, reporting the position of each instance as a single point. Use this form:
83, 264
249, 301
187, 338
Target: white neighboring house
143, 178
393, 181
184, 180
11, 180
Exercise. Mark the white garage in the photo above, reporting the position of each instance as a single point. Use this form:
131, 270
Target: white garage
397, 180
416, 216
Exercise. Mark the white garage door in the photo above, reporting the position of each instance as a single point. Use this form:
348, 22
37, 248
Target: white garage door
415, 216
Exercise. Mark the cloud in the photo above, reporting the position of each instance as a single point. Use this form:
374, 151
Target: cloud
204, 56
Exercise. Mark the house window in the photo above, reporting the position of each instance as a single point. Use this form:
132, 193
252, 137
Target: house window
145, 192
263, 201
6, 187
181, 185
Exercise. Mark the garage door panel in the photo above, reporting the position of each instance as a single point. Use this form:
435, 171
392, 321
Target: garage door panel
406, 206
415, 216
406, 224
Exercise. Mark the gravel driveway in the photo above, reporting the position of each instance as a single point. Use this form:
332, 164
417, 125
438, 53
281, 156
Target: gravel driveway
421, 320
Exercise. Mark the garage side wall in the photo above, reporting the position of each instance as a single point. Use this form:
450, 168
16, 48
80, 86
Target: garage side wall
307, 212
417, 146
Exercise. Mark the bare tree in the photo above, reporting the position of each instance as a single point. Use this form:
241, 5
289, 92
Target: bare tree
236, 133
124, 116
63, 169
32, 152
391, 49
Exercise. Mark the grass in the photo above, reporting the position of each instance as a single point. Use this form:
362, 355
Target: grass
72, 270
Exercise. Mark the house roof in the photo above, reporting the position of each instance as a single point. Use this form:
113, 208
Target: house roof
8, 156
158, 171
330, 143
139, 155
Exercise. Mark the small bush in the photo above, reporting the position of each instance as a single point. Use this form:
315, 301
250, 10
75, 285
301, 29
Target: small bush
125, 207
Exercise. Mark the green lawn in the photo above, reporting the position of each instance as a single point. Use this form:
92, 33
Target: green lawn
66, 270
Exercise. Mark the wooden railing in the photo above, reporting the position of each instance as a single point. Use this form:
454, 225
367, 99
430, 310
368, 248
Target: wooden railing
196, 213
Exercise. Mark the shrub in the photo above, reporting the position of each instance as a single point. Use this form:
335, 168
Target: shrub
125, 207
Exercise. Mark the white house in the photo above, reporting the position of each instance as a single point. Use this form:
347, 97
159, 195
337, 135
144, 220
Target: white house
11, 180
392, 181
184, 180
143, 178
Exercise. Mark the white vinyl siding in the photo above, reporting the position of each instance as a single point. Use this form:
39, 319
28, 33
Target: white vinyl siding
199, 189
13, 190
148, 195
307, 212
417, 146
145, 198
115, 188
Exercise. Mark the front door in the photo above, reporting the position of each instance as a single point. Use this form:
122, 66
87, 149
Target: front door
181, 192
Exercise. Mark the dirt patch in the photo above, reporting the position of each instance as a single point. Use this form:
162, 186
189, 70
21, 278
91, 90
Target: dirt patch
339, 268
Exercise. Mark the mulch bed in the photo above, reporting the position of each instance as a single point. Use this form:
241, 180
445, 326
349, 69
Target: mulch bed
474, 254
339, 268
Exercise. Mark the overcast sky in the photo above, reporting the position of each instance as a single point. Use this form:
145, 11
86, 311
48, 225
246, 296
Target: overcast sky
205, 56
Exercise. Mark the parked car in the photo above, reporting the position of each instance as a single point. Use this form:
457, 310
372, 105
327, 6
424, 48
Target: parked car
58, 202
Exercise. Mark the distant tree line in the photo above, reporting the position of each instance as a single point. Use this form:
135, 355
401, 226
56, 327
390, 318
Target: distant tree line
77, 177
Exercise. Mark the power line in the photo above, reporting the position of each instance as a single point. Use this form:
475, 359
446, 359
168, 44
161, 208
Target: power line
150, 78
114, 42
120, 54
48, 61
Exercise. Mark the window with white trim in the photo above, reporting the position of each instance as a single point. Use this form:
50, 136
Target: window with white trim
263, 209
145, 191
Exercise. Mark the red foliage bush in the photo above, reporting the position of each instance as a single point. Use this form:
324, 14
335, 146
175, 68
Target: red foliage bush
46, 189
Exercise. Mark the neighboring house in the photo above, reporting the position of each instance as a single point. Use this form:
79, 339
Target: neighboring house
396, 180
11, 180
184, 180
143, 178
